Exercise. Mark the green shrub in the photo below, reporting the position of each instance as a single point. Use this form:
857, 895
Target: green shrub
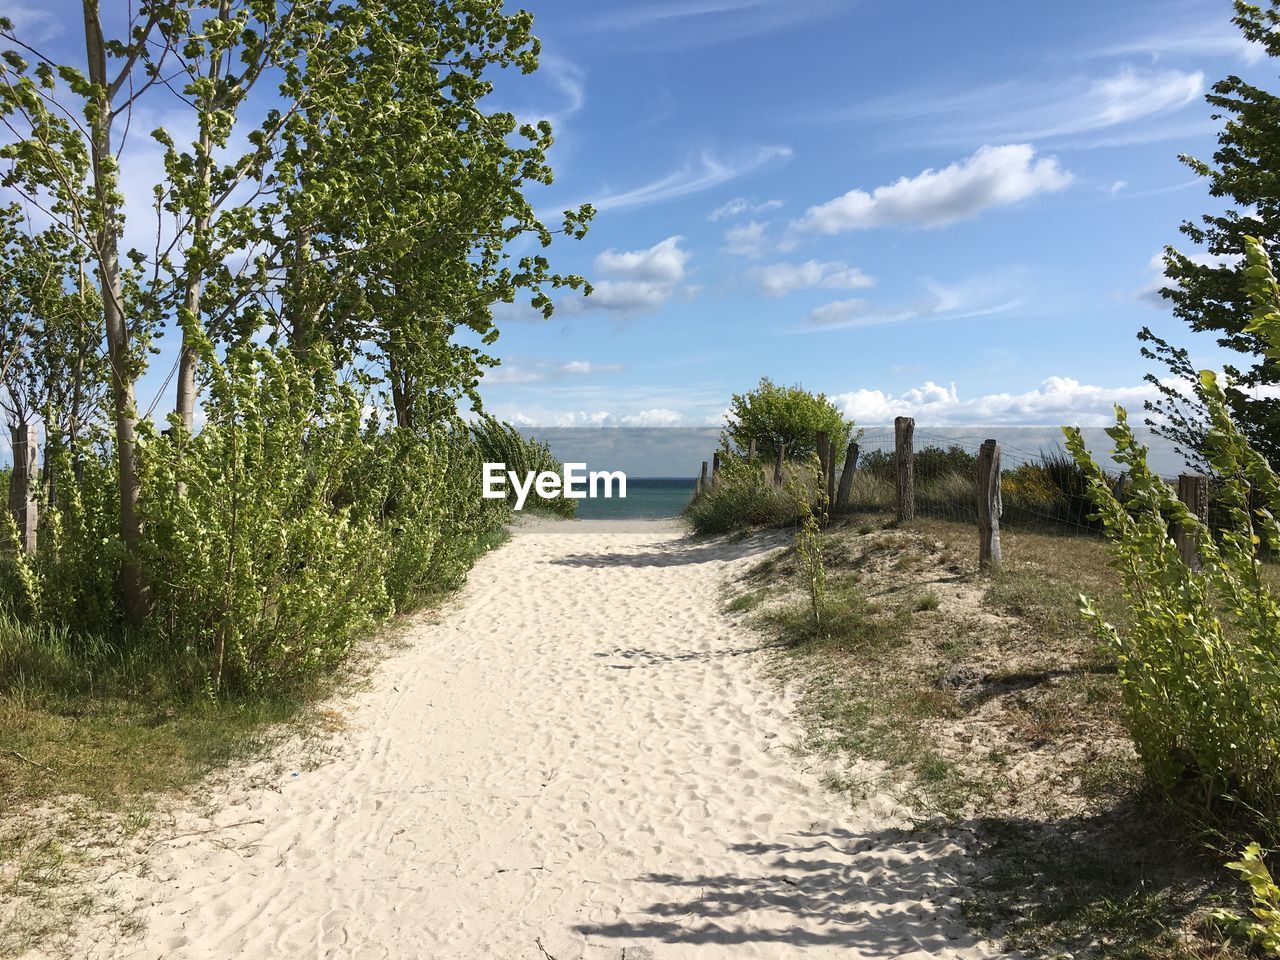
261, 570
786, 417
741, 499
927, 462
301, 522
1200, 661
1263, 929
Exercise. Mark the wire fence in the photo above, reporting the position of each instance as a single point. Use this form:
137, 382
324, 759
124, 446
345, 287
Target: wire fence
910, 473
1043, 490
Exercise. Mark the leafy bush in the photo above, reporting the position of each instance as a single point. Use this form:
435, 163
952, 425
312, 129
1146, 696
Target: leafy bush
298, 522
786, 417
71, 579
1200, 661
742, 498
1264, 928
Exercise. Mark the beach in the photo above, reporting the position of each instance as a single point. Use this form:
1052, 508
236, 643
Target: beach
580, 756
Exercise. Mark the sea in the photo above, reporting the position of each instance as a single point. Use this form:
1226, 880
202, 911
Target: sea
648, 498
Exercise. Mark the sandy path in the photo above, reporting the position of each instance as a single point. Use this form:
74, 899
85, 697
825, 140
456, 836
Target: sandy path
581, 754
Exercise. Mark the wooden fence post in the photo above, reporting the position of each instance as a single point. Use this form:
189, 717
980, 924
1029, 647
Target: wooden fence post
1193, 490
989, 506
777, 465
702, 481
751, 451
22, 485
904, 462
846, 478
831, 480
715, 468
824, 451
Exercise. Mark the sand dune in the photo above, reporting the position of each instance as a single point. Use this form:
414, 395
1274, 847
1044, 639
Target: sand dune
581, 759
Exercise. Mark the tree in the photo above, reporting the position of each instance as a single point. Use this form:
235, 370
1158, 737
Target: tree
787, 418
1207, 287
50, 333
370, 211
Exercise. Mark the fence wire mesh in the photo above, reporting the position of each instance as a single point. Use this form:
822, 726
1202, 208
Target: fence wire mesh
1043, 490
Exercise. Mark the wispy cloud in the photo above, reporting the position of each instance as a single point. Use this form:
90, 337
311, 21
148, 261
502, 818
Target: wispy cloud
684, 23
745, 239
704, 172
992, 177
1156, 281
739, 206
32, 22
780, 279
1215, 39
544, 371
569, 80
976, 297
1020, 111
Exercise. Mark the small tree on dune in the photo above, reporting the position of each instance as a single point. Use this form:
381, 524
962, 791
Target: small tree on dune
789, 418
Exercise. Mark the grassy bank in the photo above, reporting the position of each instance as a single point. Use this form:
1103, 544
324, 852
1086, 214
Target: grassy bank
989, 702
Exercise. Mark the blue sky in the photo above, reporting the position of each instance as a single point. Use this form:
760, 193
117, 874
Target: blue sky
945, 211
930, 209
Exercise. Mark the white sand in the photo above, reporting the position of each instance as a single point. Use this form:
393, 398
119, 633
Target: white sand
582, 759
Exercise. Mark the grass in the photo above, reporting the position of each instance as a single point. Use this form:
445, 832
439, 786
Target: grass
92, 739
988, 701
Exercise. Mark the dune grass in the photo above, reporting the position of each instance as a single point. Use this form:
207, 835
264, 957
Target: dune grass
987, 700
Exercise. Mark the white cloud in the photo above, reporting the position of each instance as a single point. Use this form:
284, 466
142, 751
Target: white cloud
684, 23
624, 296
583, 367
1020, 112
664, 262
542, 371
780, 279
1058, 400
979, 296
1117, 186
703, 173
636, 281
745, 239
657, 417
992, 177
1206, 39
31, 23
1124, 97
740, 205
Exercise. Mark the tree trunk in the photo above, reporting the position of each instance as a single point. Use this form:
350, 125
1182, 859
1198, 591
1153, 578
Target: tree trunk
107, 252
401, 393
186, 400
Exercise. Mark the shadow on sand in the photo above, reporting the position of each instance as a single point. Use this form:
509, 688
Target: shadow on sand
821, 889
639, 657
681, 553
1052, 885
